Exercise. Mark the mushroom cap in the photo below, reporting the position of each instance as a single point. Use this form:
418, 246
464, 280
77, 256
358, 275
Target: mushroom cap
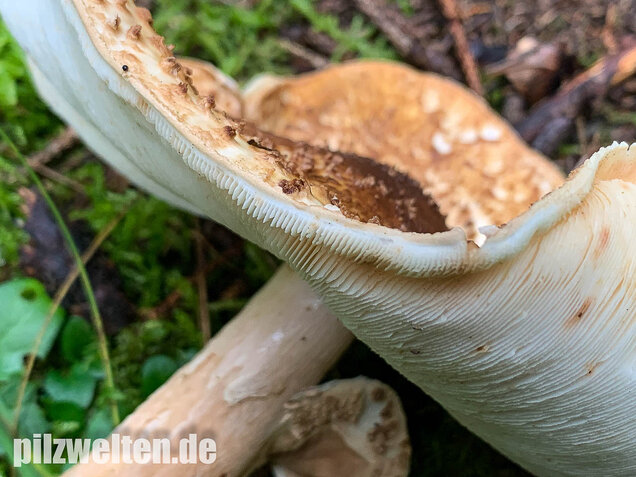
257, 184
246, 165
442, 134
527, 340
345, 427
535, 353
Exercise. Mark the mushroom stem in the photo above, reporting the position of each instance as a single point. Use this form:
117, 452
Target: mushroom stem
235, 389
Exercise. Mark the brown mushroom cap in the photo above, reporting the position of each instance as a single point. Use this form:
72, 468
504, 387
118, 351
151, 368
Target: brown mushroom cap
447, 138
471, 162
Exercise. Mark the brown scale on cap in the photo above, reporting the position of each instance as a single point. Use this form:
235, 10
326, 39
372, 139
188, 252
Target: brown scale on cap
170, 65
114, 23
183, 87
212, 83
145, 15
290, 187
209, 102
134, 32
188, 79
230, 131
159, 43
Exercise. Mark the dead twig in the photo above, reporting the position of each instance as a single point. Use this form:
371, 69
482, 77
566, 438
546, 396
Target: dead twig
172, 299
549, 121
163, 308
402, 34
315, 41
315, 60
55, 176
466, 59
607, 34
64, 141
392, 24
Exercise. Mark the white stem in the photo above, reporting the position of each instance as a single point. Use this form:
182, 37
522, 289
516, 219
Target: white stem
234, 389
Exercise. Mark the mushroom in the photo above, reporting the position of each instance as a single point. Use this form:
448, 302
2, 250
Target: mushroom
347, 427
443, 135
234, 390
508, 337
291, 330
527, 342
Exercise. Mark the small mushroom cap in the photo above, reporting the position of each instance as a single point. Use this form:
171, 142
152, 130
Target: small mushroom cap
466, 157
346, 427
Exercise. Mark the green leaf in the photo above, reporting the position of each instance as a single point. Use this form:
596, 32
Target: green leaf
8, 88
64, 414
99, 425
155, 371
32, 420
9, 391
77, 386
6, 444
76, 335
25, 305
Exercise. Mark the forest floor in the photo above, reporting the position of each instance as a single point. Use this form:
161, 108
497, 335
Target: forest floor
529, 59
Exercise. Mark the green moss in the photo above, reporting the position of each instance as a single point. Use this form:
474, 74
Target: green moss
12, 237
359, 38
134, 346
27, 120
241, 42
